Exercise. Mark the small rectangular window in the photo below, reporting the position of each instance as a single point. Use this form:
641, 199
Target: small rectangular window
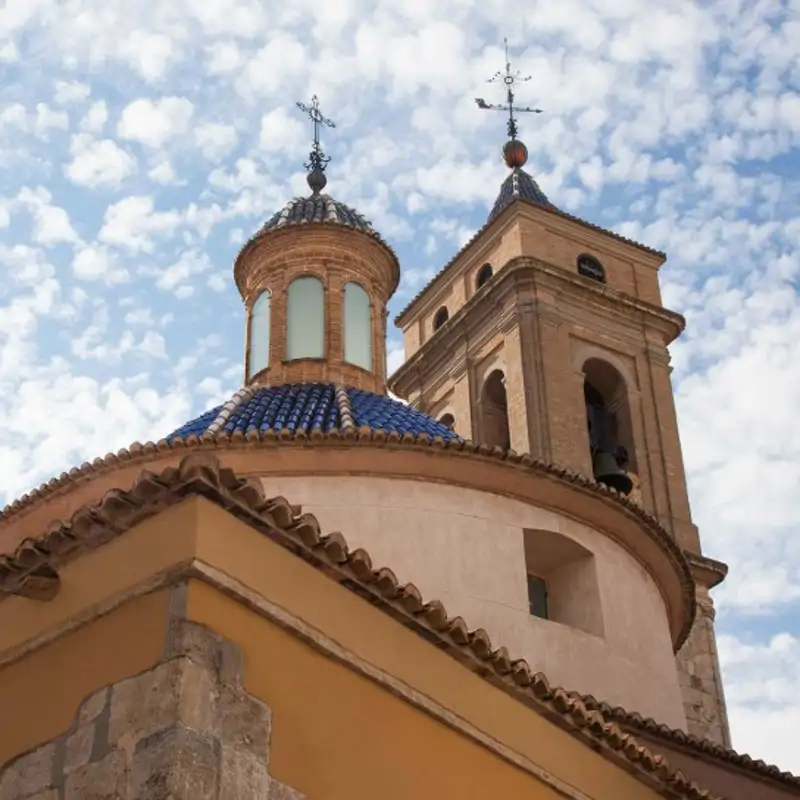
537, 596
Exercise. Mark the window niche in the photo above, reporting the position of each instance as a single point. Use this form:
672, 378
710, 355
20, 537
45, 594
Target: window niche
357, 326
484, 275
590, 267
440, 317
305, 318
562, 581
258, 335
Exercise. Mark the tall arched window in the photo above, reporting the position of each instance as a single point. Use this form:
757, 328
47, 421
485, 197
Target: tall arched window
441, 316
494, 412
357, 326
608, 417
258, 342
305, 318
484, 274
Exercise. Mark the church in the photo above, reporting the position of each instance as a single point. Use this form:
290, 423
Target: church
491, 587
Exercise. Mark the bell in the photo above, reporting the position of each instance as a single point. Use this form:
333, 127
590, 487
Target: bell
607, 471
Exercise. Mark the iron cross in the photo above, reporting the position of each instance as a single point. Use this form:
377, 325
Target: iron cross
317, 159
509, 79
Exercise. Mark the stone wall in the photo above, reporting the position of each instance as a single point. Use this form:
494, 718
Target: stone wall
185, 730
700, 679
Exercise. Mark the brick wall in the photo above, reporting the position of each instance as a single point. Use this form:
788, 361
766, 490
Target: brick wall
336, 255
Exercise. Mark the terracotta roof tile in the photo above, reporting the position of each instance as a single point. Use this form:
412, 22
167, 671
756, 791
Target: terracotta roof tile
648, 725
200, 474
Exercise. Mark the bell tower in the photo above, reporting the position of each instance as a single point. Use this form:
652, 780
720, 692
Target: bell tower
546, 334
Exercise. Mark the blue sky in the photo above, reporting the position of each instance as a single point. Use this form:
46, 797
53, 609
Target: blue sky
141, 143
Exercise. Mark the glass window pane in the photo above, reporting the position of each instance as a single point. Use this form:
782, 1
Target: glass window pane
357, 327
259, 334
305, 319
537, 596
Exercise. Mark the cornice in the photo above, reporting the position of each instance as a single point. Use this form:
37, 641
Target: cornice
671, 323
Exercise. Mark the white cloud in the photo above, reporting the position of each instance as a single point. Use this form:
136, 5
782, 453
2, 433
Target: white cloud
93, 263
48, 119
215, 139
51, 223
133, 222
96, 117
68, 92
98, 163
155, 122
281, 132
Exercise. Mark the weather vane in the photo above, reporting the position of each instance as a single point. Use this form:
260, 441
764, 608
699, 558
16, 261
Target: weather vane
317, 160
509, 79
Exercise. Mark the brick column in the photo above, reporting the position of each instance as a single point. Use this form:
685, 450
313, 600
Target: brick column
184, 730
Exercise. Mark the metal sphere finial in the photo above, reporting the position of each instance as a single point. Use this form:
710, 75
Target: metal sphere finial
316, 180
515, 154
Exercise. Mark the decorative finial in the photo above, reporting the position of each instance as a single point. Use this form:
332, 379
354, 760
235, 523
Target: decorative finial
317, 160
515, 153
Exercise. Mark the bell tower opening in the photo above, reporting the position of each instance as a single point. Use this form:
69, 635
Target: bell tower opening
608, 421
494, 411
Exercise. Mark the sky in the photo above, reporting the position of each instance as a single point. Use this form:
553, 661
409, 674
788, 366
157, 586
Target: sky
141, 143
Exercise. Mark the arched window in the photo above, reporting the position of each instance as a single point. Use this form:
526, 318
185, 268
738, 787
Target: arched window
610, 429
258, 342
590, 267
484, 274
357, 326
448, 420
441, 316
305, 318
494, 412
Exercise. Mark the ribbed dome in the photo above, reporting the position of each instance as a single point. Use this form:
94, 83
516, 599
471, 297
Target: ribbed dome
317, 208
304, 407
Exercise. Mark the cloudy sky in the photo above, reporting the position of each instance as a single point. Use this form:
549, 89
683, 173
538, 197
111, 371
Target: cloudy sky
142, 142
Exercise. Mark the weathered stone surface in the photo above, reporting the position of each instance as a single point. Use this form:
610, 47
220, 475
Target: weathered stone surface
78, 749
175, 764
243, 722
242, 776
28, 774
92, 706
177, 691
103, 780
184, 730
280, 791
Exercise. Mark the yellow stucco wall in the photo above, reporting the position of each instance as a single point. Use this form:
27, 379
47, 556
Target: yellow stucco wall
40, 693
339, 736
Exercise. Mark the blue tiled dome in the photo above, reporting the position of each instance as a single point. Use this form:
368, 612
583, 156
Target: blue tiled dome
312, 406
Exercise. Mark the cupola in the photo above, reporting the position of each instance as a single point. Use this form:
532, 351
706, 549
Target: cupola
316, 279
